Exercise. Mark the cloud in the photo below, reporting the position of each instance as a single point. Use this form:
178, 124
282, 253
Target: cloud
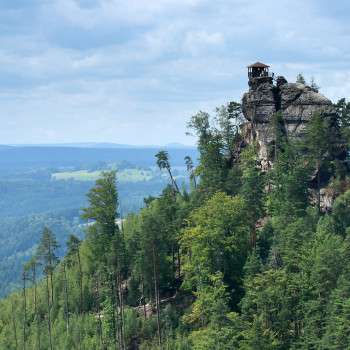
90, 14
134, 72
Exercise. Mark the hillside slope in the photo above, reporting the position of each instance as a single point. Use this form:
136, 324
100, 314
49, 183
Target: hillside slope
248, 259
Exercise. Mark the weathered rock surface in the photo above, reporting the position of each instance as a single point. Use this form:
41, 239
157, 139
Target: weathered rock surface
297, 103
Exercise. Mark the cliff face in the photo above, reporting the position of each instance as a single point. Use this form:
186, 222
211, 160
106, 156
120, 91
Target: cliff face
296, 102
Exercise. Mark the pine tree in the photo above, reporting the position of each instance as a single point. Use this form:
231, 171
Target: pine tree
191, 170
24, 277
103, 204
31, 269
252, 189
73, 246
163, 163
300, 79
46, 254
316, 143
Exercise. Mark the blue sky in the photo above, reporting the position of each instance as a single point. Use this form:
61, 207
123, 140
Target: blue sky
135, 71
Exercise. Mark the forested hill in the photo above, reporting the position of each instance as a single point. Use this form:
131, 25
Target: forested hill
47, 185
248, 259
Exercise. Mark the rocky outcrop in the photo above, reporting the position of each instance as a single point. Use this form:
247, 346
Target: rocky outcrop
297, 103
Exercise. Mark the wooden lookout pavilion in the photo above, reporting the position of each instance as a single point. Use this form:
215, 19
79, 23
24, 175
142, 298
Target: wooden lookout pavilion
258, 70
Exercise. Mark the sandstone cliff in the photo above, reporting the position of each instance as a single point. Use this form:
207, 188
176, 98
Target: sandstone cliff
297, 103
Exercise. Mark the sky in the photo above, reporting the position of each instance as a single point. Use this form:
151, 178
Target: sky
135, 71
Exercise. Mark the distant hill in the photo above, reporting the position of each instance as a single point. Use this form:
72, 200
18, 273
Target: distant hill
24, 157
102, 145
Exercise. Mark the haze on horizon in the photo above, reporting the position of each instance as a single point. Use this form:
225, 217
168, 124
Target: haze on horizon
103, 71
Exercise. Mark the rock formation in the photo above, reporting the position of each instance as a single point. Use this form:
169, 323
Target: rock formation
297, 103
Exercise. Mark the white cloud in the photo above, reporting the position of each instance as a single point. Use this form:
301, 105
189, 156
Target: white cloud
118, 11
111, 70
197, 41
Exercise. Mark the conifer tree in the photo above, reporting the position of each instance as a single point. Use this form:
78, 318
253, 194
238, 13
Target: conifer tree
106, 240
24, 278
163, 163
300, 79
317, 146
31, 268
191, 170
73, 246
46, 254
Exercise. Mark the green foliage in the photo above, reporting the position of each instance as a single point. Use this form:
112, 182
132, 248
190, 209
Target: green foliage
245, 260
300, 79
343, 110
217, 240
218, 140
252, 189
288, 181
163, 163
341, 212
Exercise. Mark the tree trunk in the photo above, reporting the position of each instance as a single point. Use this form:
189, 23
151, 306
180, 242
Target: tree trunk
81, 297
14, 325
143, 298
36, 309
173, 181
318, 186
121, 298
194, 180
80, 284
66, 298
179, 261
51, 271
24, 312
173, 259
98, 307
120, 312
156, 296
48, 310
51, 283
114, 303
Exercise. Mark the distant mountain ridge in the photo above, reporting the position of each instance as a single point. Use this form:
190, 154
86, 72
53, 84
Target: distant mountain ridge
28, 157
99, 145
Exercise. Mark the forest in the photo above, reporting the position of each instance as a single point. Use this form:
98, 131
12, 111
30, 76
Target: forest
47, 186
243, 259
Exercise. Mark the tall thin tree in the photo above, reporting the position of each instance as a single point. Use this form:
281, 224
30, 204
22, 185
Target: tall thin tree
73, 246
66, 295
163, 163
24, 277
14, 325
46, 253
31, 268
191, 170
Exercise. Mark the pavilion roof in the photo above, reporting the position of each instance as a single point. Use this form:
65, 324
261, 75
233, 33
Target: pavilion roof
258, 65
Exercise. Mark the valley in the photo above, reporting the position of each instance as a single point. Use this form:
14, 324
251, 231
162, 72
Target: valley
41, 186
